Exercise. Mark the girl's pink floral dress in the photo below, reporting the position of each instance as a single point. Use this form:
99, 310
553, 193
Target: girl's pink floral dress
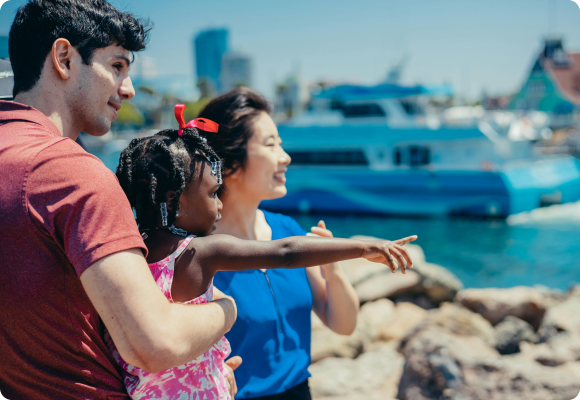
200, 379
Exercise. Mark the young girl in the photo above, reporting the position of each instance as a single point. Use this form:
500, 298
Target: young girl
172, 181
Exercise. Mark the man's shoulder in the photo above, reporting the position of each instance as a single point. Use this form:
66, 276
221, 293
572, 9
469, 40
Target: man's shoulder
71, 161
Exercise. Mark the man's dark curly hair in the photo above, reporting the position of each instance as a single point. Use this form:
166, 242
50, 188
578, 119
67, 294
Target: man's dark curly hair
87, 24
152, 166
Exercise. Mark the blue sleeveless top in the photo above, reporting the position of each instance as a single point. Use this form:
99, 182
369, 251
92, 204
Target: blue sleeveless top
272, 332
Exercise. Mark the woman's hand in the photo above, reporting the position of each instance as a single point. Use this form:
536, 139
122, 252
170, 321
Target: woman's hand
230, 366
386, 252
320, 230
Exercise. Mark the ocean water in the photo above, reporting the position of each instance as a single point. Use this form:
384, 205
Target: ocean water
482, 253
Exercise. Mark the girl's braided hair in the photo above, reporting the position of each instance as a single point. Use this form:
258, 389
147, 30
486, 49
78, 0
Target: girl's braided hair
151, 166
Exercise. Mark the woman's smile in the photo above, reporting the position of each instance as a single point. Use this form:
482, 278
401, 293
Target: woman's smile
280, 176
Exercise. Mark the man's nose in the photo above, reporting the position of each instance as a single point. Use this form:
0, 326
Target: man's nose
127, 91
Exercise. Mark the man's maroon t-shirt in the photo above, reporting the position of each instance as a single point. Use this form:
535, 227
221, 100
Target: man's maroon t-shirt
61, 210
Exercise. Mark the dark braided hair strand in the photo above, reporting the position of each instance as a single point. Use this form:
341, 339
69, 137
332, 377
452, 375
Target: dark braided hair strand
152, 166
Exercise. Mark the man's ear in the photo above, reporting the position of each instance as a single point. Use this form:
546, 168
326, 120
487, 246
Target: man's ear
63, 54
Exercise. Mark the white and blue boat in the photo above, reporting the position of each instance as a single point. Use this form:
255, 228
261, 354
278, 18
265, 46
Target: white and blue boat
375, 150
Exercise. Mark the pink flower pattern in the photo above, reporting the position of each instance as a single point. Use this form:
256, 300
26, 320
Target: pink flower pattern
200, 379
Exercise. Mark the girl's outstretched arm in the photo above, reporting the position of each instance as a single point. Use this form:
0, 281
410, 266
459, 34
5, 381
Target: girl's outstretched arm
227, 253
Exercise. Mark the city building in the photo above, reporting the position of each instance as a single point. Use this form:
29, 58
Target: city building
236, 71
553, 85
290, 98
209, 47
4, 47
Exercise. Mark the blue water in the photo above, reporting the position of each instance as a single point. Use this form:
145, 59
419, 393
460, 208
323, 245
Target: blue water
482, 253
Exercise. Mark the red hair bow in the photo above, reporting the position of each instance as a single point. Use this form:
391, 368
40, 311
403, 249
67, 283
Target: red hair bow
199, 123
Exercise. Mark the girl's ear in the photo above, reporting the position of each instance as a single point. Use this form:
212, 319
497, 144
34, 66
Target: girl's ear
169, 196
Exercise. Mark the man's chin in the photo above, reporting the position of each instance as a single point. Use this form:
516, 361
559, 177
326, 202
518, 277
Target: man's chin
97, 131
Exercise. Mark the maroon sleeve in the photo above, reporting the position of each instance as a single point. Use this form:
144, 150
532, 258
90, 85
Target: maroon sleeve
73, 197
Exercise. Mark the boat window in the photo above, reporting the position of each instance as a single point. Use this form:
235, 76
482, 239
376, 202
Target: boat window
410, 107
397, 159
363, 110
413, 156
419, 155
333, 157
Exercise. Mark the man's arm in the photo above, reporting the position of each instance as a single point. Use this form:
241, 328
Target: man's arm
149, 331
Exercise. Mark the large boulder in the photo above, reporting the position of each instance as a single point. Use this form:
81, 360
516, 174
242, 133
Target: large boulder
510, 332
373, 375
437, 282
372, 316
457, 320
442, 365
495, 304
388, 285
561, 317
558, 350
405, 317
325, 343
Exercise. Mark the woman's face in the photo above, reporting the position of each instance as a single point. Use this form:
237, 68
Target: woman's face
264, 174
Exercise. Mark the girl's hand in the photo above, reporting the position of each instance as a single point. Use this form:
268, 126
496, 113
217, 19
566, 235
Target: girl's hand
386, 252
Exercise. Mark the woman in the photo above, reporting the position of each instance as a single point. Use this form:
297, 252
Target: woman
272, 332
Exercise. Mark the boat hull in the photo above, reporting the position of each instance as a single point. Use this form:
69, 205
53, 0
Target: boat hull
423, 192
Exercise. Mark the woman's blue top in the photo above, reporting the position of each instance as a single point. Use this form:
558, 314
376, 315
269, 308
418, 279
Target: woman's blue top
272, 332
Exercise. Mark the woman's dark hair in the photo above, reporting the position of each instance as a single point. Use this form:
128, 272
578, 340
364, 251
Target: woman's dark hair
235, 112
150, 167
87, 24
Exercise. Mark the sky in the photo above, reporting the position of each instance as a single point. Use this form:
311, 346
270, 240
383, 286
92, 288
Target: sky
474, 45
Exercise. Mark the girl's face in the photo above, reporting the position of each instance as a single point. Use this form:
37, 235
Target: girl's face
263, 175
199, 204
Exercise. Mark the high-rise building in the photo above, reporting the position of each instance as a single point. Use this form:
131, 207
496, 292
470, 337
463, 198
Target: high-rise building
4, 47
209, 47
236, 71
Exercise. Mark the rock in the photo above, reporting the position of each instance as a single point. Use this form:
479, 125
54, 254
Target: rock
359, 270
405, 317
458, 320
561, 317
373, 316
561, 349
438, 283
495, 304
387, 285
551, 297
510, 332
442, 365
372, 375
420, 300
325, 343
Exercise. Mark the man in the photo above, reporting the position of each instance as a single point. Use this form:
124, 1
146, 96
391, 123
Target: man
71, 257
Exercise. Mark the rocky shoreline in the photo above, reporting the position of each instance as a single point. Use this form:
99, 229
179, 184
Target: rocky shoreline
422, 336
